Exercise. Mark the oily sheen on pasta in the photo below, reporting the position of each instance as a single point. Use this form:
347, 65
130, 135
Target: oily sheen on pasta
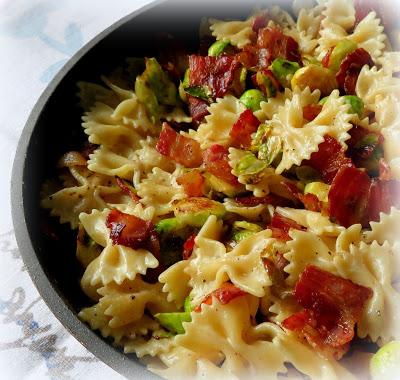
237, 207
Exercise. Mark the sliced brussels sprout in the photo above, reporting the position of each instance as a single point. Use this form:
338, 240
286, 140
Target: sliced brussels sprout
284, 70
198, 92
187, 306
385, 364
148, 98
196, 210
217, 48
266, 84
249, 165
340, 51
173, 321
310, 60
220, 186
239, 235
186, 79
164, 89
316, 78
239, 81
356, 104
86, 248
270, 150
260, 137
169, 225
252, 98
319, 189
246, 226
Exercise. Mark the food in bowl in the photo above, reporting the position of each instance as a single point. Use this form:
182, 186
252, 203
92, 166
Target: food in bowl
236, 208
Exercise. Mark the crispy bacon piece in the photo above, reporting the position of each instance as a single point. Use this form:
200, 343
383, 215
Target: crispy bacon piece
280, 227
242, 130
332, 306
181, 149
216, 162
382, 196
188, 246
126, 189
327, 57
197, 108
271, 44
260, 21
350, 69
348, 196
217, 73
193, 183
129, 230
329, 159
310, 201
311, 111
225, 294
270, 199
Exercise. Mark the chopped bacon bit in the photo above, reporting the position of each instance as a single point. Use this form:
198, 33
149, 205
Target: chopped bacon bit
197, 108
275, 270
184, 150
350, 69
270, 199
325, 60
188, 247
332, 306
242, 130
355, 198
310, 201
127, 190
278, 44
329, 159
271, 44
260, 21
225, 294
217, 163
348, 196
280, 227
311, 111
128, 230
193, 183
217, 73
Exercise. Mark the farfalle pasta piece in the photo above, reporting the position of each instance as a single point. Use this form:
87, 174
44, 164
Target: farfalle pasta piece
314, 221
142, 346
301, 138
254, 213
116, 263
160, 189
339, 18
97, 319
237, 33
176, 282
372, 265
86, 191
211, 265
270, 108
217, 126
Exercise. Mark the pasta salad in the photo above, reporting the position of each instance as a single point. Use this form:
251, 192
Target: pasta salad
237, 208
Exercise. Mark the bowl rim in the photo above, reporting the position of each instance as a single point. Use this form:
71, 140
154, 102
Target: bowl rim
90, 339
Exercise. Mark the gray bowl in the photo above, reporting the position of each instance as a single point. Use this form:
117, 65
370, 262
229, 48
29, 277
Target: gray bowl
54, 127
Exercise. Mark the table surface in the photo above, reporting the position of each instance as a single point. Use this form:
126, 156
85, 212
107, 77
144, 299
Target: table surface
37, 37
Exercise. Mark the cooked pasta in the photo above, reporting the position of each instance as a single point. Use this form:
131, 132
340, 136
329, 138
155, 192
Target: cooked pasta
237, 212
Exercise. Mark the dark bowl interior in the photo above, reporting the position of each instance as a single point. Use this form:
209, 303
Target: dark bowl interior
54, 127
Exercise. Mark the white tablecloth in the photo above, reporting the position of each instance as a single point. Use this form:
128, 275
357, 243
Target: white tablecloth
37, 37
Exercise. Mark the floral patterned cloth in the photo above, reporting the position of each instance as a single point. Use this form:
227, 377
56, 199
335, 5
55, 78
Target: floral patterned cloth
37, 37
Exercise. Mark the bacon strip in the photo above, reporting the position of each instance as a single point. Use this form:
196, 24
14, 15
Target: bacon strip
280, 227
128, 230
197, 108
126, 189
184, 150
225, 294
188, 247
217, 163
350, 69
311, 111
332, 306
310, 201
270, 199
217, 73
242, 130
329, 159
